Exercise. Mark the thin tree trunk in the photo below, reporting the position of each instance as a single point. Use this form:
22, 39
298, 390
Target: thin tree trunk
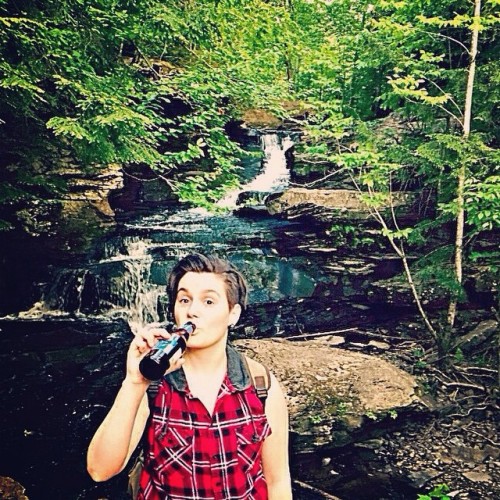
452, 309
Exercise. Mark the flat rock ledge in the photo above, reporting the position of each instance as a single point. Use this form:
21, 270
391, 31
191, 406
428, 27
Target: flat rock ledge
327, 205
336, 397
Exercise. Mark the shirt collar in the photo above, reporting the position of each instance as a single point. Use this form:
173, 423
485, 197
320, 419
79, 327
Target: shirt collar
237, 373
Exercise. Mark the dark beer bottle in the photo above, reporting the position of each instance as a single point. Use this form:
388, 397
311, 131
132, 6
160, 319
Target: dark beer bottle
165, 352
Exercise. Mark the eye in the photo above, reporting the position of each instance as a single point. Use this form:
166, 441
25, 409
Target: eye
209, 302
183, 300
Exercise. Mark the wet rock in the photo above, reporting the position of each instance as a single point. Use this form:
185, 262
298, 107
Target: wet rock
39, 217
11, 489
253, 198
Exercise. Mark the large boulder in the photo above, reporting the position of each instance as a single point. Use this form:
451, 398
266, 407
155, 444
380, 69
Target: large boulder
327, 205
335, 396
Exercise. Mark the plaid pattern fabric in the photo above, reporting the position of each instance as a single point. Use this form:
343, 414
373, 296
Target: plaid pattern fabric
192, 455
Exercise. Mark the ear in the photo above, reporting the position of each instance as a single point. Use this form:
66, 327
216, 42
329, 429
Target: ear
234, 314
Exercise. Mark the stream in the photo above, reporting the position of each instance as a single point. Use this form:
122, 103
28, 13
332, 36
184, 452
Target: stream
62, 358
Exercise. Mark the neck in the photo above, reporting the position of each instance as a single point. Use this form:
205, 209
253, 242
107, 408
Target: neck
207, 360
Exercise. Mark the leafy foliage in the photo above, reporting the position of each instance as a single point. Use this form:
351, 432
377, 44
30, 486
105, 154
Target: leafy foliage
440, 492
98, 81
157, 83
389, 113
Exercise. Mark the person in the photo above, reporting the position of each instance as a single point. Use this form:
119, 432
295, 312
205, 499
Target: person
206, 433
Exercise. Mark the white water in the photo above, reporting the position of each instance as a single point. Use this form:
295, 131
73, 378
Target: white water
121, 282
275, 174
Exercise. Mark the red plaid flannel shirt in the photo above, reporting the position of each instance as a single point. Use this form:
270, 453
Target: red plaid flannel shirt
192, 455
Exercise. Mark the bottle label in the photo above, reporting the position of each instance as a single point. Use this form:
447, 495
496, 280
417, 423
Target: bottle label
175, 356
165, 346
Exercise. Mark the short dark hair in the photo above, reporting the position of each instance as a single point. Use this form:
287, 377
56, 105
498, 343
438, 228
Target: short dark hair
236, 287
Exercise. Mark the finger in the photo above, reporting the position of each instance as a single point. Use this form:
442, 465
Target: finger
142, 344
152, 333
138, 346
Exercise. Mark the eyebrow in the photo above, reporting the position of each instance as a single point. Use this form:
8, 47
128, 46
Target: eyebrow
185, 290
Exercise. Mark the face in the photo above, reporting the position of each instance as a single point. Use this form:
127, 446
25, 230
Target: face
202, 299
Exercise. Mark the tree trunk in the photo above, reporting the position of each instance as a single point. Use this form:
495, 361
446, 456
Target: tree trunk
452, 309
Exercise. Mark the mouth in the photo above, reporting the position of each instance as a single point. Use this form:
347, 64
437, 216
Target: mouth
190, 327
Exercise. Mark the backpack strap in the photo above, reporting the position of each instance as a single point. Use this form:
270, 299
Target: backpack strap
261, 378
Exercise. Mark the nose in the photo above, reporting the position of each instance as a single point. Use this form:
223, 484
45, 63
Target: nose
194, 309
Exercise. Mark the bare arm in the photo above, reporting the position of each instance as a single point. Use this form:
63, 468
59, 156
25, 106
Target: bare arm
120, 432
275, 450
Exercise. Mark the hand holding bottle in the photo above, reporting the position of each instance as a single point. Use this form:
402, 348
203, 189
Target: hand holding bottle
142, 344
166, 352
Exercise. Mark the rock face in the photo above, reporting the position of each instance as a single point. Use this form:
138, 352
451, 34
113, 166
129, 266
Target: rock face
83, 205
335, 396
80, 213
479, 284
327, 205
90, 188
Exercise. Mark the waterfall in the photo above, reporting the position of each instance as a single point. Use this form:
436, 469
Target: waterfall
127, 278
118, 285
274, 175
132, 289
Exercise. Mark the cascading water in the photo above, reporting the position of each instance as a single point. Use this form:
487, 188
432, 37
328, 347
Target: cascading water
64, 358
127, 279
118, 285
274, 174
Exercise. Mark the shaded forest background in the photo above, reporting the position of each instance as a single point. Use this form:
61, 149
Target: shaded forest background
396, 95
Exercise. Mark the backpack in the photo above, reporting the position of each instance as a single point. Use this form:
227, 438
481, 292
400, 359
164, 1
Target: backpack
261, 380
